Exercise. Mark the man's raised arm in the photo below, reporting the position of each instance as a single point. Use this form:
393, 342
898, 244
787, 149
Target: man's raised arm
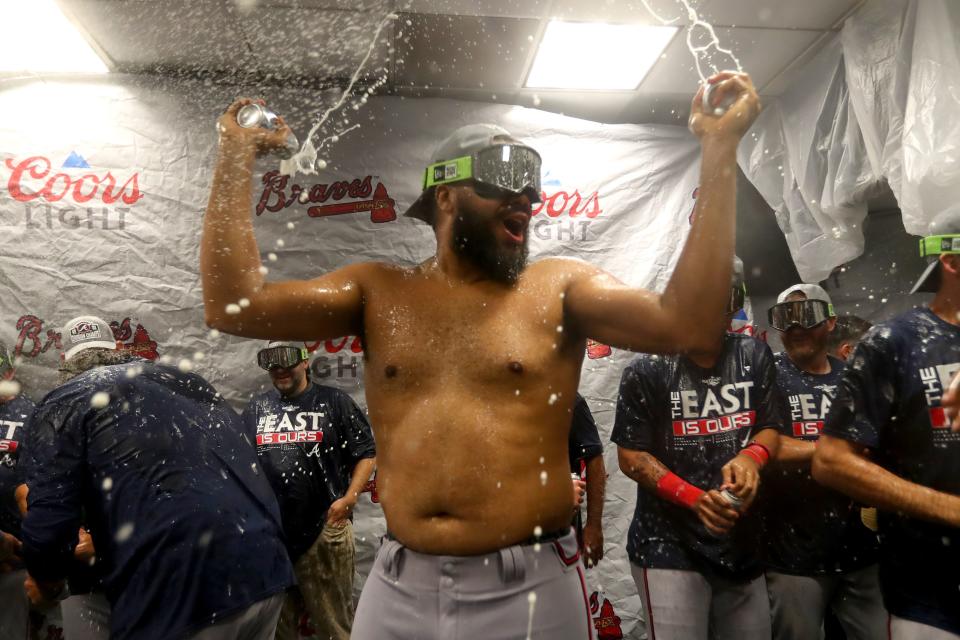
689, 315
236, 297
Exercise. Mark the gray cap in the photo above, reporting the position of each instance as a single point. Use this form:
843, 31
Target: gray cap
945, 223
86, 332
810, 292
464, 141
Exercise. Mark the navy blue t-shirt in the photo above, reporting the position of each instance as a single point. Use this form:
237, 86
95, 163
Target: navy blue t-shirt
308, 446
889, 402
186, 528
14, 418
584, 442
810, 529
694, 421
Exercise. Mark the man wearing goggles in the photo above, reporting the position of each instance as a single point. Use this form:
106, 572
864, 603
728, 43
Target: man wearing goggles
472, 365
316, 449
888, 442
694, 432
819, 554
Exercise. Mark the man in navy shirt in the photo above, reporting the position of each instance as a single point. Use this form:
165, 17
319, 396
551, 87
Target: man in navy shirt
819, 554
586, 460
185, 526
317, 451
887, 442
694, 432
15, 410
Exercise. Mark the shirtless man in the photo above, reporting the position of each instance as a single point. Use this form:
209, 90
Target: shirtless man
472, 445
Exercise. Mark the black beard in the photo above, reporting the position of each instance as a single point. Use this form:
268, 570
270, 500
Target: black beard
475, 239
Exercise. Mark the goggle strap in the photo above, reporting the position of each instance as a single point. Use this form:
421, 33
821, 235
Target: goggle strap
448, 171
935, 245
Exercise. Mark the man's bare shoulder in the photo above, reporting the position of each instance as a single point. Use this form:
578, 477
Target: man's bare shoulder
567, 269
374, 272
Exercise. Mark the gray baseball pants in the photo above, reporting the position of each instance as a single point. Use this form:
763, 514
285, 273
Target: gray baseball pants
689, 605
517, 593
799, 603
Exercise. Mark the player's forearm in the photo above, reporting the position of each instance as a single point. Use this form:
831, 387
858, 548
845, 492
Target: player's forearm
20, 495
361, 474
229, 258
641, 467
596, 489
700, 285
839, 465
794, 451
770, 439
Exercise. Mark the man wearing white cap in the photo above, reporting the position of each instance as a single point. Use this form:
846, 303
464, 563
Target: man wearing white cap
819, 554
15, 410
887, 442
186, 529
472, 364
316, 449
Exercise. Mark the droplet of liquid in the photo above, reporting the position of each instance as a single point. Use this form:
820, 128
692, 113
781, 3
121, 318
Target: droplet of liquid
124, 532
100, 399
272, 257
552, 400
9, 388
232, 309
543, 477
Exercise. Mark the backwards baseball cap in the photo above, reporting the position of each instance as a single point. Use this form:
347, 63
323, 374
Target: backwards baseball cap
86, 332
486, 153
816, 307
943, 237
281, 354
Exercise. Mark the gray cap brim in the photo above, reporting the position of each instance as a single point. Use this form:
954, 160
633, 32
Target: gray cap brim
420, 209
930, 279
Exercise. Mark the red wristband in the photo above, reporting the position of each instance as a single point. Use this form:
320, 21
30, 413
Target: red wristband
675, 489
759, 453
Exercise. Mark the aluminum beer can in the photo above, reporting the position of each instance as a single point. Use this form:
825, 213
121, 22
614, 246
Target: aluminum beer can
255, 115
732, 498
721, 108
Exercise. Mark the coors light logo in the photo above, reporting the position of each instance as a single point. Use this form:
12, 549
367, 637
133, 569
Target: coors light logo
74, 196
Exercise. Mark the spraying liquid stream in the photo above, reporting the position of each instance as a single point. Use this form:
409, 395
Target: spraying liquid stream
305, 160
701, 51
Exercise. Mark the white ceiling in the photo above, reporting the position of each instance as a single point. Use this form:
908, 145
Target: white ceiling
468, 49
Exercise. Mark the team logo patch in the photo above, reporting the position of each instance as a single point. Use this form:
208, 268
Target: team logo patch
84, 330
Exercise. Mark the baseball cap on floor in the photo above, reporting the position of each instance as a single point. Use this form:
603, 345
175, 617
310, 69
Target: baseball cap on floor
86, 332
485, 152
943, 237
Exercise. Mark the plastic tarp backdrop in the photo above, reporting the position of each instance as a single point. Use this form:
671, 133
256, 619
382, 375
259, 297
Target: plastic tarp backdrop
104, 186
879, 103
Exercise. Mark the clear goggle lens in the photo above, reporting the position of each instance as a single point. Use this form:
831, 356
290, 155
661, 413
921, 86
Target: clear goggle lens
805, 314
283, 357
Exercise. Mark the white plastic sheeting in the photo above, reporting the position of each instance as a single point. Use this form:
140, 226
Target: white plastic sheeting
102, 191
881, 101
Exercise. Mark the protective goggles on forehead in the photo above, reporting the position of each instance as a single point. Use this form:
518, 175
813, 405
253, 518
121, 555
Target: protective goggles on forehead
508, 167
283, 357
805, 314
738, 297
935, 245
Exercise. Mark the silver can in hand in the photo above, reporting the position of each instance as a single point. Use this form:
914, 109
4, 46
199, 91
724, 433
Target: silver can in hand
255, 115
732, 498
